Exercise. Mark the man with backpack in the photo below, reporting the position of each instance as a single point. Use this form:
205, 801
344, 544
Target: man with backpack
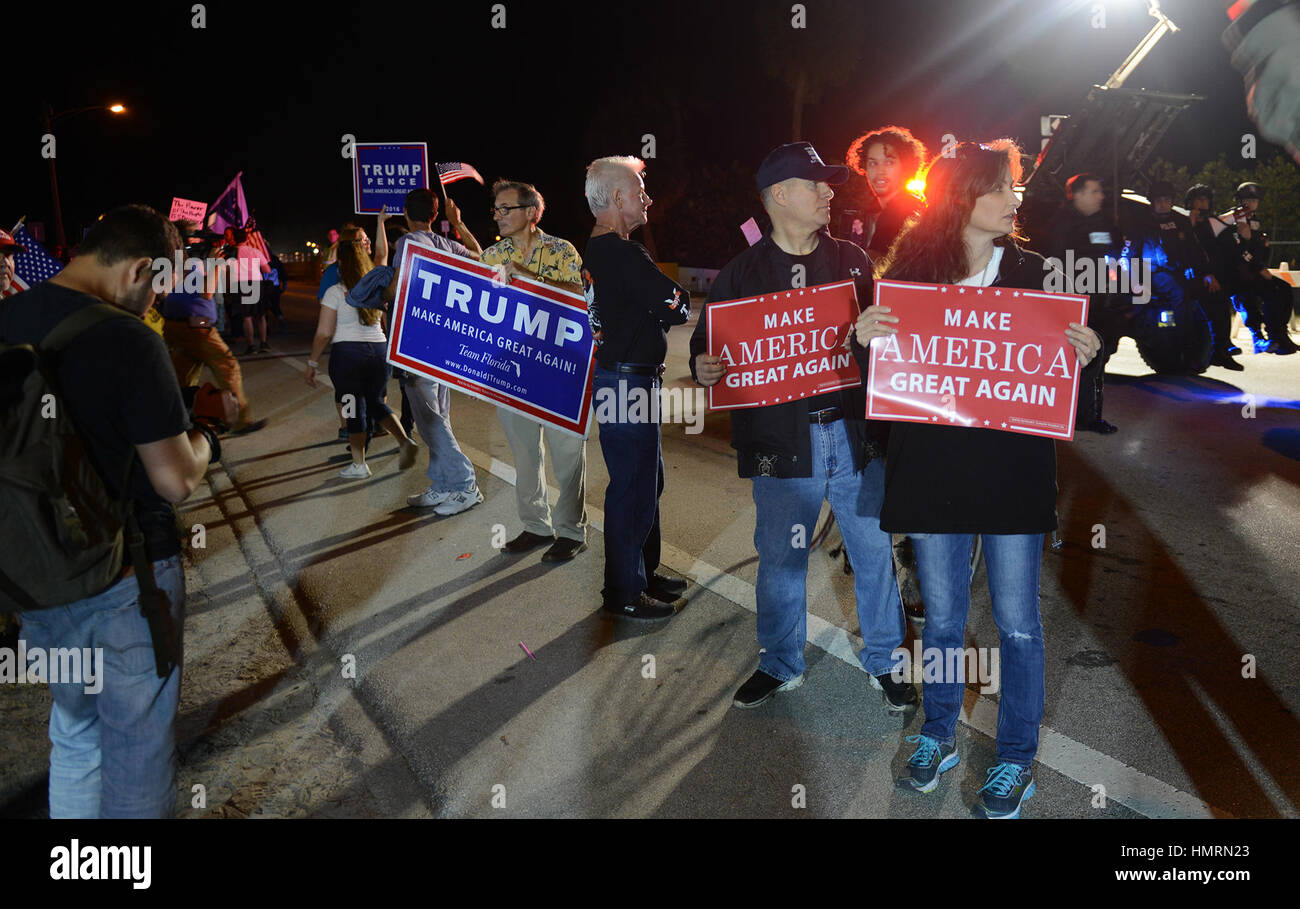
92, 556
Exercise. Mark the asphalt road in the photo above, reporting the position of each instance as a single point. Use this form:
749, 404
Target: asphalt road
1152, 707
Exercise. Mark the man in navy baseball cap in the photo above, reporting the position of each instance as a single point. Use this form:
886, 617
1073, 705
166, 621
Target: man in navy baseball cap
798, 159
803, 449
8, 246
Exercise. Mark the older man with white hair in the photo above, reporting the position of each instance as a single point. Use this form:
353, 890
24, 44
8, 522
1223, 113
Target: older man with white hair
631, 304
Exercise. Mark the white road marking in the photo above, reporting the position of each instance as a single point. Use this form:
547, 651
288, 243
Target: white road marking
1127, 785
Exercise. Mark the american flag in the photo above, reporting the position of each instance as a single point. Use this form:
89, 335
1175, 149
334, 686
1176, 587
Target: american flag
33, 266
450, 173
231, 210
255, 239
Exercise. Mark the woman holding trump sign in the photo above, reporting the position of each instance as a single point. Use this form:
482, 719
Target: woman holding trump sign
945, 484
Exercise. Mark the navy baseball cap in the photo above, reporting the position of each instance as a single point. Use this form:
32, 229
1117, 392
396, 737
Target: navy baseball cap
798, 159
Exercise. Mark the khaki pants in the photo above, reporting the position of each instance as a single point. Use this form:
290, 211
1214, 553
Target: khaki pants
193, 348
568, 462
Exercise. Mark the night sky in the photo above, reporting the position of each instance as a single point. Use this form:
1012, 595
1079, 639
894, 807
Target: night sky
270, 91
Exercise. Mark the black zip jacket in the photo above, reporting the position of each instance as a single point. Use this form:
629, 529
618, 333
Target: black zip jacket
947, 479
776, 440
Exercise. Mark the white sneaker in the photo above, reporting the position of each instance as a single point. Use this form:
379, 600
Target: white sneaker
459, 501
355, 471
427, 499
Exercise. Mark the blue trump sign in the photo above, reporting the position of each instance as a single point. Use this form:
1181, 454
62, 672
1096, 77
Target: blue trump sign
384, 172
523, 346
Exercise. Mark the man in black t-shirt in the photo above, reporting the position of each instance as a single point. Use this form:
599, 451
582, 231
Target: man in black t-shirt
631, 305
114, 750
803, 452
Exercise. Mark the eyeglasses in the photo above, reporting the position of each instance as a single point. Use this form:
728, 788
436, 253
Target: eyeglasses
504, 210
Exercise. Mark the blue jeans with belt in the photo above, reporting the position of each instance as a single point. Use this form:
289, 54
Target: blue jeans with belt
1013, 562
787, 511
632, 445
113, 749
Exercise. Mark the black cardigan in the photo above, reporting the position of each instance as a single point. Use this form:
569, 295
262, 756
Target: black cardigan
947, 479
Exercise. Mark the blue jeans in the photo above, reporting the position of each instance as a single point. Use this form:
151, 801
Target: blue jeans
450, 470
1013, 562
633, 452
113, 753
787, 511
360, 369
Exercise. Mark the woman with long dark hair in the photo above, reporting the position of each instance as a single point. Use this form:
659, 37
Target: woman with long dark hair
358, 358
944, 484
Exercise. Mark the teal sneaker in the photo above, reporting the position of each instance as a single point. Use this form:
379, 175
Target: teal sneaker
1008, 786
928, 761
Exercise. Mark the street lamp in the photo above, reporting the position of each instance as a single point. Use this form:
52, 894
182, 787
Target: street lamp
48, 118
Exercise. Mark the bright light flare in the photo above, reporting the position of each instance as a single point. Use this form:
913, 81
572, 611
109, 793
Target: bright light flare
916, 187
118, 108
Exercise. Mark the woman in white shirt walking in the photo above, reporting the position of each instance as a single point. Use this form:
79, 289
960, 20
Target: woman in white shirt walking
358, 359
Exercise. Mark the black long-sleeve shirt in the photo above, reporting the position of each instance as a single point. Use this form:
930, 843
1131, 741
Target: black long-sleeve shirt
631, 303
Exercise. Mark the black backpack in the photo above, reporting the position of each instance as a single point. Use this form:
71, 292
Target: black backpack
65, 535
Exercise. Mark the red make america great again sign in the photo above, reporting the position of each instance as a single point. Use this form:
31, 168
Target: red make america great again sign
987, 357
782, 346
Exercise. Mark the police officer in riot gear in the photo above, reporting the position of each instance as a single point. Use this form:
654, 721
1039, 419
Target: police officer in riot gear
1265, 299
1176, 334
1081, 230
1199, 202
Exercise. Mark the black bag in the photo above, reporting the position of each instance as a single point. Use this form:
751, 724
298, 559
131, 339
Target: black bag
65, 535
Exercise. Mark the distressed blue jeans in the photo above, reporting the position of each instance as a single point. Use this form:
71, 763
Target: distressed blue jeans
787, 511
113, 753
1013, 562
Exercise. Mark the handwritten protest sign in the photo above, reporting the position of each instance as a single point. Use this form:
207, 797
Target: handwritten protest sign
384, 172
187, 210
989, 357
782, 346
523, 345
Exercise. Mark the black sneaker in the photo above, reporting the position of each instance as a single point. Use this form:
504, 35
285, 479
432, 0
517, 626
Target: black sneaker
564, 549
1234, 350
642, 608
526, 541
1226, 362
252, 426
666, 589
264, 348
1284, 347
1008, 786
1100, 426
926, 763
898, 696
761, 687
